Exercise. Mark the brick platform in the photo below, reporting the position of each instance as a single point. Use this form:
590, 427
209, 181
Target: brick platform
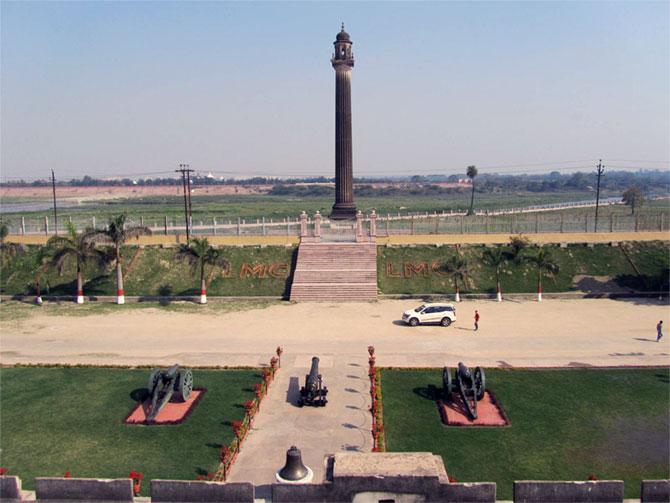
489, 412
172, 413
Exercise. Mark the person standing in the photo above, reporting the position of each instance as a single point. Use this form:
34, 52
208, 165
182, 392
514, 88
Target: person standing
476, 320
659, 330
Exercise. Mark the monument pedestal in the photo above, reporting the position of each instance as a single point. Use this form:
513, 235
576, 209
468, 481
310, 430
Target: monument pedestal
343, 211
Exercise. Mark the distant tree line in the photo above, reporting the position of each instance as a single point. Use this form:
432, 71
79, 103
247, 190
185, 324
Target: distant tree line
648, 181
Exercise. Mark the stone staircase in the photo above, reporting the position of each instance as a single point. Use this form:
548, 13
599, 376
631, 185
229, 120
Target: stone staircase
335, 271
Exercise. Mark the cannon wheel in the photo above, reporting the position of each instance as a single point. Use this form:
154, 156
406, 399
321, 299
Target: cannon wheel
153, 380
480, 383
447, 384
184, 385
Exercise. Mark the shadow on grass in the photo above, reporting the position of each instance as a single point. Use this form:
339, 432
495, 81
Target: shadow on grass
664, 378
429, 392
139, 394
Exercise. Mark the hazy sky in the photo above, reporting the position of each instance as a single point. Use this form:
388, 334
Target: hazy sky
115, 88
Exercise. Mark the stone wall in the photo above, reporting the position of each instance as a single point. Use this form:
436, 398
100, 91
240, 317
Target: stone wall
67, 489
186, 491
655, 491
10, 488
540, 491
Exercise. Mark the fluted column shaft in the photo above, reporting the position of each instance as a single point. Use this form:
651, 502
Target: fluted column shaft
344, 190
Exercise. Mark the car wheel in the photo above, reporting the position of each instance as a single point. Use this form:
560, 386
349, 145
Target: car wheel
413, 322
445, 322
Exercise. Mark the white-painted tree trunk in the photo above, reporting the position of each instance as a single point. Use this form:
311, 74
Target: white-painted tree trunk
203, 292
80, 289
120, 294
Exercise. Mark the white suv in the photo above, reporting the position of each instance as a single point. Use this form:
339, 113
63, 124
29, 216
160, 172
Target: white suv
444, 314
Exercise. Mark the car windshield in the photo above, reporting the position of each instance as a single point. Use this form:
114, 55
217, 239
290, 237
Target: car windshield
420, 308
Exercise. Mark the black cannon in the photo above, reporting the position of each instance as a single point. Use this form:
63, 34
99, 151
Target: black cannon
469, 386
313, 392
165, 384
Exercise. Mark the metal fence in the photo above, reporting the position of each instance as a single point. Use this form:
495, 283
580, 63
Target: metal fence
523, 220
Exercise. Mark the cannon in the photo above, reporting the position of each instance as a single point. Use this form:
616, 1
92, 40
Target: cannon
470, 386
313, 392
166, 384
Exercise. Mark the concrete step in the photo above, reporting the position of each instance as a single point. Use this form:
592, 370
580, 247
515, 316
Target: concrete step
335, 271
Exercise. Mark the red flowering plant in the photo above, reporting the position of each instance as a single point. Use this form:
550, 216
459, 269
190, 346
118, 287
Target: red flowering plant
592, 477
67, 474
3, 471
224, 454
452, 480
137, 481
267, 375
258, 390
249, 406
273, 362
237, 428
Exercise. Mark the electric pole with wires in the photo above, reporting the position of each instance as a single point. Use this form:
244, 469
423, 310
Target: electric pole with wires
186, 171
600, 168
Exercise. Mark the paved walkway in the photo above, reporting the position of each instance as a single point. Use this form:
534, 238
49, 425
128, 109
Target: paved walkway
343, 424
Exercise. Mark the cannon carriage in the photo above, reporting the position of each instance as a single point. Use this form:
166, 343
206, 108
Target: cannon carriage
313, 392
470, 386
167, 384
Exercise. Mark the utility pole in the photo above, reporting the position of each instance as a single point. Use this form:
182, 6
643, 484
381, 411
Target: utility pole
53, 187
599, 171
186, 182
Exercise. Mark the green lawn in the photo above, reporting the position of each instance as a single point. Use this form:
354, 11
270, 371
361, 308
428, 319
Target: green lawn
71, 419
651, 259
154, 271
250, 207
565, 425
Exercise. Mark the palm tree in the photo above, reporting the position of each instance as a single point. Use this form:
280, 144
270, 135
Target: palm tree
457, 267
78, 247
38, 266
472, 173
545, 262
116, 234
198, 253
8, 250
496, 258
517, 246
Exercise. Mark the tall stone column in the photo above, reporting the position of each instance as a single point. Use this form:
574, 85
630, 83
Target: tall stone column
343, 62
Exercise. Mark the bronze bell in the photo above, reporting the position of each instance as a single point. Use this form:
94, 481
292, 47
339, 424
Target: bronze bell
294, 469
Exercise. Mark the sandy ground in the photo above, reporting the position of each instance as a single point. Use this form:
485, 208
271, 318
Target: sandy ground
551, 333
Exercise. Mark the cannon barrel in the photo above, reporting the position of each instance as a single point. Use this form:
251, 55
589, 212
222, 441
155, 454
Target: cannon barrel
313, 392
312, 379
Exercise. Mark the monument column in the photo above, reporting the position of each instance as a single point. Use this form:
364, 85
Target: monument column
343, 61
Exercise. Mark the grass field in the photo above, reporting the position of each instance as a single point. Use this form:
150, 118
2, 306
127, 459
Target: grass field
71, 419
565, 425
251, 207
12, 311
651, 259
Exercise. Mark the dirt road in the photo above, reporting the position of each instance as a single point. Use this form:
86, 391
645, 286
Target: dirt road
552, 333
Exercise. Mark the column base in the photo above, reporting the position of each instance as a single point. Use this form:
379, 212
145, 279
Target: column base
343, 211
